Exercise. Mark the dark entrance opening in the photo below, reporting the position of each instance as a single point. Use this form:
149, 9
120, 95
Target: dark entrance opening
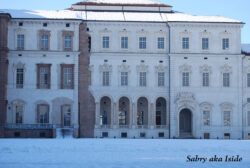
185, 122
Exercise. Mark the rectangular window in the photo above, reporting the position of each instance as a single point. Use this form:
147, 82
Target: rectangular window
19, 78
124, 78
205, 79
248, 118
106, 78
143, 79
142, 42
20, 41
105, 42
227, 118
160, 43
43, 76
68, 78
225, 43
43, 113
19, 114
124, 42
185, 79
161, 78
44, 42
67, 42
185, 43
226, 80
206, 118
205, 43
248, 80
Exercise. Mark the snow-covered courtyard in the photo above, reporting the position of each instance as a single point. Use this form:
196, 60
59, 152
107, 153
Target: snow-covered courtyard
122, 153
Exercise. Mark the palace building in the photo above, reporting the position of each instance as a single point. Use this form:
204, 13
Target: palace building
122, 69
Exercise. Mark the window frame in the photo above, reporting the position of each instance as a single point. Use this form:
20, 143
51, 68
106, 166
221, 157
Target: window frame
39, 113
44, 33
227, 118
143, 79
143, 42
105, 42
71, 42
106, 78
225, 44
160, 43
185, 43
20, 42
248, 80
205, 43
124, 42
124, 78
205, 79
161, 79
185, 79
206, 121
226, 79
39, 66
63, 67
19, 82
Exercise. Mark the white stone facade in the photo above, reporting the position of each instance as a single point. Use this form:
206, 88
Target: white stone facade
166, 76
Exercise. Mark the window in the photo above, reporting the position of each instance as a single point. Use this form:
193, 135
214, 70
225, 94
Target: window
226, 80
44, 42
67, 42
185, 43
160, 43
248, 80
19, 114
105, 134
106, 78
20, 41
205, 79
185, 79
66, 111
161, 134
124, 135
124, 78
225, 43
43, 76
205, 43
19, 78
124, 42
143, 76
67, 76
206, 118
161, 78
43, 113
227, 118
227, 136
142, 42
158, 118
248, 118
122, 117
105, 42
89, 78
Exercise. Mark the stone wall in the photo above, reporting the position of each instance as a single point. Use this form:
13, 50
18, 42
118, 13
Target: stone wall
86, 100
4, 18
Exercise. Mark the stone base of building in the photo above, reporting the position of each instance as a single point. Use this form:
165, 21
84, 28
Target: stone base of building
28, 133
132, 133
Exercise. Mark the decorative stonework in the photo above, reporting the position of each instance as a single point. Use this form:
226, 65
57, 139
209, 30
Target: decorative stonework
185, 68
142, 68
226, 106
185, 100
124, 68
226, 69
206, 106
205, 68
105, 67
160, 68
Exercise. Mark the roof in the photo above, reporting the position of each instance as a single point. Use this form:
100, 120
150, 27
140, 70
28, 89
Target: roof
122, 2
245, 49
116, 16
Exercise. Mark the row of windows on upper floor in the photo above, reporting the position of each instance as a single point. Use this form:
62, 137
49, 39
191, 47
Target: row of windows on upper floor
44, 42
67, 77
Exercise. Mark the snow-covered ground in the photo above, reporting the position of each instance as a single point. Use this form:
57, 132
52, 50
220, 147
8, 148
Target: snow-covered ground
120, 153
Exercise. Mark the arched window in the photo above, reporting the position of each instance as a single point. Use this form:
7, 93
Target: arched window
142, 111
66, 114
123, 111
161, 115
105, 111
18, 107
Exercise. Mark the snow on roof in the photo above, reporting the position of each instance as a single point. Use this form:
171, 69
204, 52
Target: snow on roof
43, 14
116, 16
122, 2
182, 17
245, 48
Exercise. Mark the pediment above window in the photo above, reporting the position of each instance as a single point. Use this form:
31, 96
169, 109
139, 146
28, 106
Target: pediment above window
205, 68
185, 68
160, 68
142, 68
105, 67
226, 106
226, 69
206, 106
124, 68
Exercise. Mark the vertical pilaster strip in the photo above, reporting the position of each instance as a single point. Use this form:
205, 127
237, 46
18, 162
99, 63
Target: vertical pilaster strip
4, 19
86, 100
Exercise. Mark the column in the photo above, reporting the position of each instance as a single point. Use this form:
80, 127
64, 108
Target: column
97, 115
115, 116
133, 116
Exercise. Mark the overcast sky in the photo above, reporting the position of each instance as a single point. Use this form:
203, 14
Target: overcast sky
236, 9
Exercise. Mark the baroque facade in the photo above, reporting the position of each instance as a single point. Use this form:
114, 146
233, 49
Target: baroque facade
127, 69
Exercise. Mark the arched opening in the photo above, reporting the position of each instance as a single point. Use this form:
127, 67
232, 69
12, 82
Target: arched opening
142, 111
185, 122
160, 113
105, 111
123, 114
